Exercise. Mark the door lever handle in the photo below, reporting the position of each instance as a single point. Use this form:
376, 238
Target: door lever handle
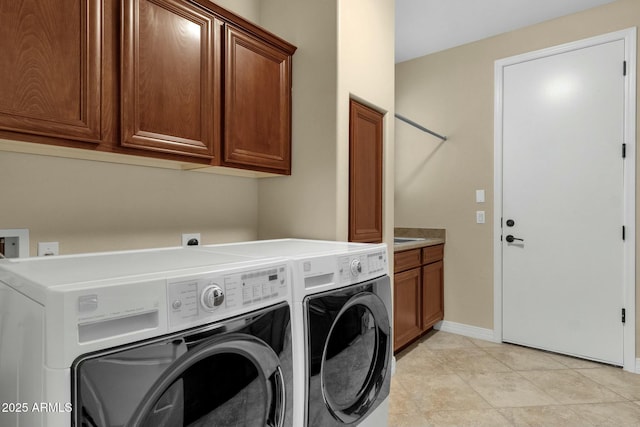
511, 239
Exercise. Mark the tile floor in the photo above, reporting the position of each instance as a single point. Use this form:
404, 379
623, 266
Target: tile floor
450, 380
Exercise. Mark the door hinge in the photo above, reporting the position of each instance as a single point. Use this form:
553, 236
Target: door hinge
623, 232
624, 315
624, 68
624, 151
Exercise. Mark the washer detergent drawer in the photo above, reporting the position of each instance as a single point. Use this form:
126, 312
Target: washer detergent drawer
234, 373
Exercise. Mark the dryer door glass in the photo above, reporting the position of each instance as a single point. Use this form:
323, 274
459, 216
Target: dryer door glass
349, 357
349, 353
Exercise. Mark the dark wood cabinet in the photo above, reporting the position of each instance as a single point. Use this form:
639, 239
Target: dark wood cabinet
183, 80
407, 321
50, 68
257, 115
418, 298
171, 77
365, 174
432, 294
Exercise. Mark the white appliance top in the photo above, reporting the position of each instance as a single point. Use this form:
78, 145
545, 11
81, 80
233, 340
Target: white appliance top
33, 276
318, 265
288, 248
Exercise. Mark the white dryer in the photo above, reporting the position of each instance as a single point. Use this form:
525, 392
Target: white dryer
341, 326
169, 337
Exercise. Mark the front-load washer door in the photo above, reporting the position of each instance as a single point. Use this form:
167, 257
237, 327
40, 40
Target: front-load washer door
348, 355
234, 374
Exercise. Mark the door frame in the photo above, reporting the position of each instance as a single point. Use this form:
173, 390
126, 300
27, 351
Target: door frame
629, 273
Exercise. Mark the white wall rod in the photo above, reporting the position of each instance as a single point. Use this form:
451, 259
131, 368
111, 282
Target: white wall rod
422, 128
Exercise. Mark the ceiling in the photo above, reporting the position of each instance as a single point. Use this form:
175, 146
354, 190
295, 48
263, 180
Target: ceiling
428, 26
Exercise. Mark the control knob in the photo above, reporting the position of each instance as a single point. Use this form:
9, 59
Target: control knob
212, 297
356, 267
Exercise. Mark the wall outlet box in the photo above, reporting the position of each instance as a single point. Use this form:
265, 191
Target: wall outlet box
191, 239
48, 248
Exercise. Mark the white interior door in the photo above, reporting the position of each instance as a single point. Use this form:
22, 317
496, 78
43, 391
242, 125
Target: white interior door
562, 183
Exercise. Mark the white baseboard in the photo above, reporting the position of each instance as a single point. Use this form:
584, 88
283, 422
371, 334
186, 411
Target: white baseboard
483, 334
466, 330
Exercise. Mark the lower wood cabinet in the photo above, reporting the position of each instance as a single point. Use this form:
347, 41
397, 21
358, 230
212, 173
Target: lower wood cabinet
418, 299
407, 323
432, 295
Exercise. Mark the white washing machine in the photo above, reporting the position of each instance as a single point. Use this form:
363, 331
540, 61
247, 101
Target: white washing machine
342, 329
169, 337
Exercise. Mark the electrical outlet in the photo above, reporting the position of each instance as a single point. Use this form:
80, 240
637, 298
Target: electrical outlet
48, 248
14, 243
479, 217
191, 239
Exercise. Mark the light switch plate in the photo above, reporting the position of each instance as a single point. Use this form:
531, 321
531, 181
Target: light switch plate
479, 196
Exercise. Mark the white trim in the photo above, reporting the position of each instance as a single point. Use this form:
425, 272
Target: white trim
629, 37
466, 330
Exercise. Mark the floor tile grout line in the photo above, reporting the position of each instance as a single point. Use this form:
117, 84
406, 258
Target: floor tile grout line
603, 385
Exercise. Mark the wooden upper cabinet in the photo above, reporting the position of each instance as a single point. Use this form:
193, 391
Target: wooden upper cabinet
365, 174
50, 55
171, 78
257, 116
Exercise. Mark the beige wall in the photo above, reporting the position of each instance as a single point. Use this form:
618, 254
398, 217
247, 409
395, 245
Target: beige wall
366, 72
304, 204
344, 49
91, 206
452, 93
248, 9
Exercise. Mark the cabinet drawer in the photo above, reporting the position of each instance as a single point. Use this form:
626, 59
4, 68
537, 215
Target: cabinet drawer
405, 260
432, 254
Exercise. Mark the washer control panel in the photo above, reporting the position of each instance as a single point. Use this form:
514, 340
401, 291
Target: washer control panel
196, 300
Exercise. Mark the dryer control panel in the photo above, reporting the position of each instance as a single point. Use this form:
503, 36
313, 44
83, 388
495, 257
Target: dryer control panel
204, 299
325, 272
356, 268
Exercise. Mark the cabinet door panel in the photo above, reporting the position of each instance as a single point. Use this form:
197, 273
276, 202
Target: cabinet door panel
50, 67
405, 260
432, 254
365, 174
171, 85
432, 294
406, 307
257, 104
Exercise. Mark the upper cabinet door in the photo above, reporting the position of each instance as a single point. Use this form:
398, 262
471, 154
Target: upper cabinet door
365, 173
50, 67
171, 78
257, 113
